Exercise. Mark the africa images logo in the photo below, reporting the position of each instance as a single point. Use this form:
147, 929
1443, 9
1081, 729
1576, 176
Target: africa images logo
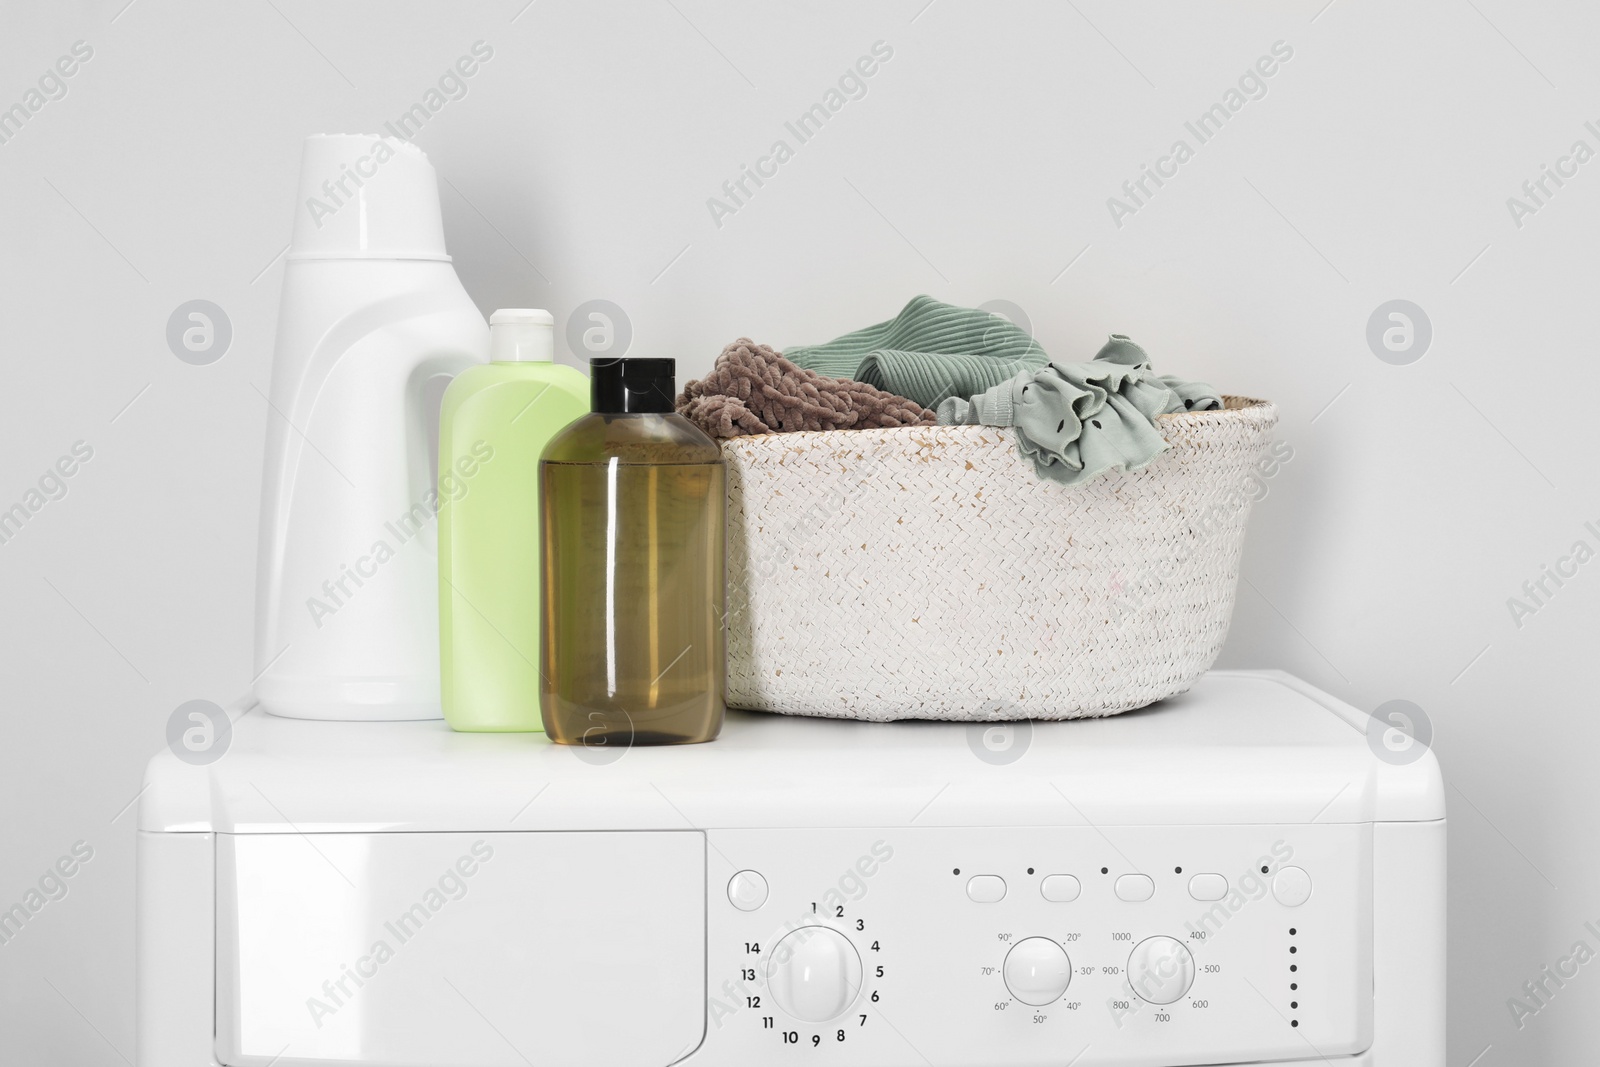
1252, 85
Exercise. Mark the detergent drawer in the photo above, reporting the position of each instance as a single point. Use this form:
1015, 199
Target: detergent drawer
419, 949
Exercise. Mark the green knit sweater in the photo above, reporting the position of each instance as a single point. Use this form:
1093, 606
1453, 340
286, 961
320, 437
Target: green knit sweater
928, 352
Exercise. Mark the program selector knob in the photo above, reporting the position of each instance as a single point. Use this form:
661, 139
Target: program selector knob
1161, 970
814, 973
1037, 971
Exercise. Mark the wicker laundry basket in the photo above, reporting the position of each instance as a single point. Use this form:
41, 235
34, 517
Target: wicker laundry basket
926, 572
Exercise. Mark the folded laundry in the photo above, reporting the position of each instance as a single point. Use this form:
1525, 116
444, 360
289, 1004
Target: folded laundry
753, 389
1078, 420
928, 352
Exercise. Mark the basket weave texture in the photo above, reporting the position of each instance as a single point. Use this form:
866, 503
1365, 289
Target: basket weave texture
926, 572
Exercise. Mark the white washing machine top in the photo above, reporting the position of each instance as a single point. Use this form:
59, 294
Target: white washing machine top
1241, 747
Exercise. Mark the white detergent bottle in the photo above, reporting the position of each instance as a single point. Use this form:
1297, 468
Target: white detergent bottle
347, 620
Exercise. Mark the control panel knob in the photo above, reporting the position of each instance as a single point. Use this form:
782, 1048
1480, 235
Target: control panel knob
1160, 969
1037, 971
814, 973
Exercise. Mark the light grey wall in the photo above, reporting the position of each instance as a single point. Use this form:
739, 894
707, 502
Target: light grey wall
978, 166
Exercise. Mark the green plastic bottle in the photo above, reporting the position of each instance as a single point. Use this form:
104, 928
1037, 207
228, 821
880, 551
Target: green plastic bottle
496, 419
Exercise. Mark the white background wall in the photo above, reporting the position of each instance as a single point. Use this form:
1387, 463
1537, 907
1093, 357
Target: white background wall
977, 167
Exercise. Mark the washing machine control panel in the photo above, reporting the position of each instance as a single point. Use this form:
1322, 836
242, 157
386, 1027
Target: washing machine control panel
1177, 945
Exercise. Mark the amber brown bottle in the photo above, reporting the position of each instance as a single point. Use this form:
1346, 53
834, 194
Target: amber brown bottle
632, 505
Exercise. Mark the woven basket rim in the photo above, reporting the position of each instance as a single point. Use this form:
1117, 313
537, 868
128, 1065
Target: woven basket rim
1238, 409
1234, 409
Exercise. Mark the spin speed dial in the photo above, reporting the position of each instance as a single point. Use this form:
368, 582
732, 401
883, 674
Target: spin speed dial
814, 974
1161, 970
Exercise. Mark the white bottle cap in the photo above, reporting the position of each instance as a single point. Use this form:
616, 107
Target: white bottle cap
522, 335
365, 196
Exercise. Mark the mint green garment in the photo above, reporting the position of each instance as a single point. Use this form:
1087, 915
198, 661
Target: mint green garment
1076, 421
928, 352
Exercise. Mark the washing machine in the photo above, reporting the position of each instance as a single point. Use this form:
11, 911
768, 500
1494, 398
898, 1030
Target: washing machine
1247, 873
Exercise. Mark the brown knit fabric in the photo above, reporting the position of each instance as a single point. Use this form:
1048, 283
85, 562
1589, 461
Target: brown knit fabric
752, 389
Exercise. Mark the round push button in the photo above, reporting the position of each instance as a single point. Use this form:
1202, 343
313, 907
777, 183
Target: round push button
1037, 971
747, 890
1292, 887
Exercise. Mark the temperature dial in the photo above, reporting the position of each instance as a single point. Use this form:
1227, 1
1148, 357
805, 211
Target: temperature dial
814, 974
1161, 970
1037, 971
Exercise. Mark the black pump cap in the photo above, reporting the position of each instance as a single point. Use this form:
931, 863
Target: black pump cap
630, 386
